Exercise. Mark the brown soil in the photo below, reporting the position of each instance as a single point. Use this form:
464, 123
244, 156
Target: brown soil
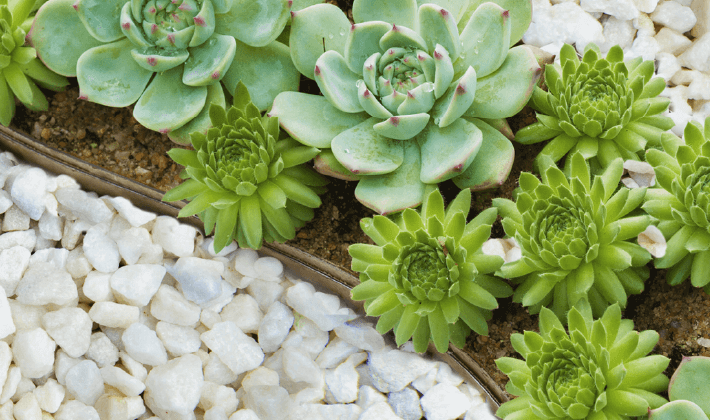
111, 138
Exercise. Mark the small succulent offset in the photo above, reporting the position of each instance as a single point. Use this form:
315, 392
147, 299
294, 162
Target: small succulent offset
426, 277
20, 70
167, 56
411, 94
575, 235
244, 182
599, 370
604, 108
682, 204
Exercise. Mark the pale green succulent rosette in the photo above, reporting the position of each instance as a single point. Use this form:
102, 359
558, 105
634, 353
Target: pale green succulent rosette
599, 370
603, 108
682, 204
245, 181
411, 94
427, 277
167, 56
20, 71
576, 238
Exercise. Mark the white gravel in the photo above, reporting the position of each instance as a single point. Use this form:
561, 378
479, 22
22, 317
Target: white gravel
109, 312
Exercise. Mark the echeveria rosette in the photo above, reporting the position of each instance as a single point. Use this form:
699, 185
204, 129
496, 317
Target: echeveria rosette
604, 108
576, 236
167, 56
404, 109
20, 70
682, 204
244, 181
598, 370
426, 276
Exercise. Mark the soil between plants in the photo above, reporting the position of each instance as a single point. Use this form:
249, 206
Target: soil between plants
111, 138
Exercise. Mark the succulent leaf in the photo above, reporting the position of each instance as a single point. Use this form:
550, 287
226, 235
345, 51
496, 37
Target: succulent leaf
256, 23
246, 191
99, 18
426, 283
493, 162
396, 12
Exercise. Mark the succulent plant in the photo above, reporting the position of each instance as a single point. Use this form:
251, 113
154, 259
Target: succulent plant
599, 370
245, 182
20, 70
682, 204
604, 108
411, 95
167, 56
575, 235
426, 277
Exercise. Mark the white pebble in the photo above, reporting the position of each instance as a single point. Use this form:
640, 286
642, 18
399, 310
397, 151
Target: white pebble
124, 382
100, 250
169, 305
235, 349
218, 372
76, 410
394, 369
199, 279
444, 402
143, 345
14, 376
405, 404
70, 328
132, 243
34, 352
7, 325
26, 238
84, 382
133, 215
299, 367
244, 260
269, 402
5, 200
175, 238
361, 334
102, 350
15, 219
244, 312
43, 283
50, 395
13, 263
335, 353
28, 192
27, 408
265, 292
177, 339
51, 226
274, 327
136, 284
177, 385
215, 396
113, 314
379, 411
672, 14
697, 56
97, 287
342, 383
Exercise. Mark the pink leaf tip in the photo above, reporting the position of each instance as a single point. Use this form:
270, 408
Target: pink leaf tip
290, 3
437, 55
164, 130
293, 15
171, 38
215, 75
126, 25
75, 6
458, 167
444, 13
506, 13
199, 21
460, 89
394, 121
394, 27
317, 71
410, 94
366, 93
83, 96
151, 61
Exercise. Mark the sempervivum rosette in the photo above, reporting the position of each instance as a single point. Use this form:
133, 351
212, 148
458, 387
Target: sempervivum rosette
682, 204
406, 92
599, 370
427, 277
576, 238
167, 56
604, 108
244, 182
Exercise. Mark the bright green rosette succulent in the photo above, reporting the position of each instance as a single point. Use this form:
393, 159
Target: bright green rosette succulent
167, 56
598, 371
427, 277
576, 238
244, 182
682, 204
603, 108
20, 70
413, 93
